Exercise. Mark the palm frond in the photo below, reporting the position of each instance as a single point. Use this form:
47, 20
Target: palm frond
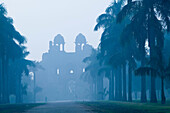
128, 10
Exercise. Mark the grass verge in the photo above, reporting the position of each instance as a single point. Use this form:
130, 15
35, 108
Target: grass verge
126, 107
16, 108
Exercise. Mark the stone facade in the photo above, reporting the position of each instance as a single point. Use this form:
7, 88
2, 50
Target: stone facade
61, 78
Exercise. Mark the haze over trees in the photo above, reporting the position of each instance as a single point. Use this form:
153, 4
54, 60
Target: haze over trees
132, 61
134, 43
13, 64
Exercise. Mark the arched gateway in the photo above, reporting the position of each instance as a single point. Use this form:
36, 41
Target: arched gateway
61, 77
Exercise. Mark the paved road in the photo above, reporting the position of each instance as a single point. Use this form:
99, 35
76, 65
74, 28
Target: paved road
60, 107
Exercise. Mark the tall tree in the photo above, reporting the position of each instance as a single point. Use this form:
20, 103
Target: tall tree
110, 40
10, 39
146, 12
92, 71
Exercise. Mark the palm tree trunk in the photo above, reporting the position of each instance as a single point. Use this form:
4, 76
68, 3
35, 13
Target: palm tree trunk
153, 89
143, 85
18, 89
163, 98
91, 90
111, 85
116, 85
130, 84
6, 96
95, 90
120, 83
124, 83
34, 87
100, 87
3, 78
151, 39
95, 83
1, 81
143, 89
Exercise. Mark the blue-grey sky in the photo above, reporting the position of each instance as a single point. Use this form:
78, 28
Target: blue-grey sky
41, 20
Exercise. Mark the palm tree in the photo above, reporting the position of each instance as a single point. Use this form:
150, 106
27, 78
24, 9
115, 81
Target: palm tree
33, 67
18, 68
110, 40
161, 66
133, 40
92, 71
146, 13
9, 40
162, 71
131, 52
108, 70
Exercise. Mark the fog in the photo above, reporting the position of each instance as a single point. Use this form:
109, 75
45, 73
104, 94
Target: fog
84, 51
40, 21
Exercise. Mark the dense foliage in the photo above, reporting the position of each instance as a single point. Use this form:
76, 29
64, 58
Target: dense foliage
135, 41
13, 64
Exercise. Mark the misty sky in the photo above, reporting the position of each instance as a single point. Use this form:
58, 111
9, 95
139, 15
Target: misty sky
41, 20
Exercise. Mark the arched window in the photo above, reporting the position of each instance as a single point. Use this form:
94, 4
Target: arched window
82, 47
61, 47
84, 70
71, 71
58, 72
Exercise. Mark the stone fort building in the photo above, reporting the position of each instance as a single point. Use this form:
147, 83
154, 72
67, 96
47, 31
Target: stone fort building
61, 78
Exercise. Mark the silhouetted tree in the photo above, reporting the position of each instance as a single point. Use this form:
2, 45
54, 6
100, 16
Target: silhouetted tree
144, 13
110, 40
92, 70
10, 41
18, 68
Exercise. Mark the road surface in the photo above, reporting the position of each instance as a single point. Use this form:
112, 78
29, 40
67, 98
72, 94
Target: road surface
60, 107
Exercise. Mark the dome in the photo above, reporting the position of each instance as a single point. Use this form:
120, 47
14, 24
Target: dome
59, 39
80, 39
